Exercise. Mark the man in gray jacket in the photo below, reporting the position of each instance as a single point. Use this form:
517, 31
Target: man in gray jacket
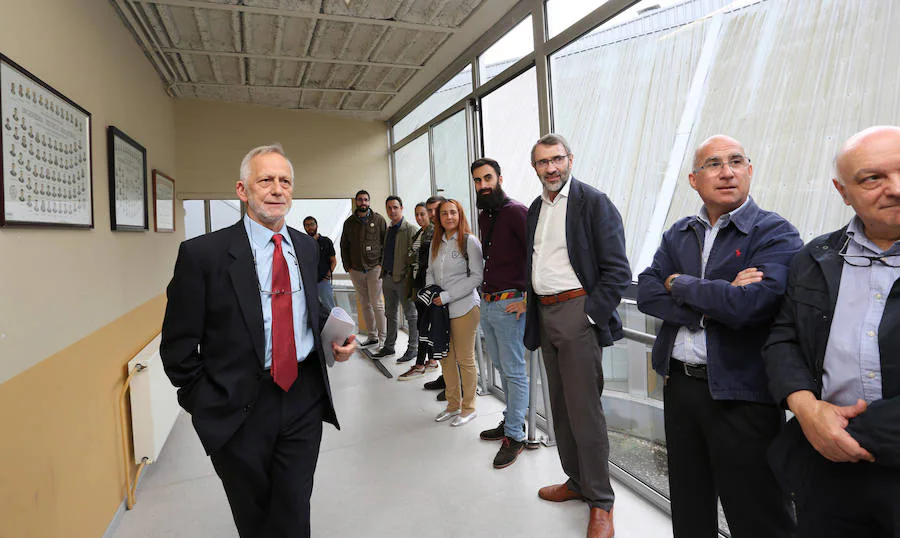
361, 247
396, 262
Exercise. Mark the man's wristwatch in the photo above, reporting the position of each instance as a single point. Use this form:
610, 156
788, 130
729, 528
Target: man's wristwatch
672, 277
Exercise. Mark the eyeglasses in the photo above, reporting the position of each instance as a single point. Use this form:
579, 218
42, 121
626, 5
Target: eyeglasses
557, 161
735, 162
859, 260
282, 291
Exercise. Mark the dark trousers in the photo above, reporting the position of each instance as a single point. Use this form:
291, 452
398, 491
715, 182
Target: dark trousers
424, 350
574, 361
267, 466
859, 500
718, 449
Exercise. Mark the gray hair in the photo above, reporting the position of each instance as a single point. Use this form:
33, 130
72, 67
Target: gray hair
551, 139
262, 150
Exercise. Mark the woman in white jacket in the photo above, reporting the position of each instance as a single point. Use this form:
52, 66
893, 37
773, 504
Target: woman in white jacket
457, 266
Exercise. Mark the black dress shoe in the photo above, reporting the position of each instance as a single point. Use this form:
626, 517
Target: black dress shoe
437, 384
383, 352
442, 396
369, 342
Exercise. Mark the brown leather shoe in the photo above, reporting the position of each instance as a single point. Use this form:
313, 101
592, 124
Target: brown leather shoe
600, 524
558, 493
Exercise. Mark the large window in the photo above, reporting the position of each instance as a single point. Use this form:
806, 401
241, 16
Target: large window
619, 95
413, 174
330, 213
451, 161
517, 43
451, 92
510, 127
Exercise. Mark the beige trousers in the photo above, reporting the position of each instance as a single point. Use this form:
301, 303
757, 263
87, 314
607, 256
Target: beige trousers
460, 362
368, 289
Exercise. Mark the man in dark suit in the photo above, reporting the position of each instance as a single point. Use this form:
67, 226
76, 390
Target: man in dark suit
576, 282
241, 341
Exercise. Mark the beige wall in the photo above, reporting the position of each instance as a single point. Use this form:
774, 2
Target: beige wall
333, 157
75, 305
59, 285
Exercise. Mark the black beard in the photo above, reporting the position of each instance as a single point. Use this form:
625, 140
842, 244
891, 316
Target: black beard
493, 200
362, 210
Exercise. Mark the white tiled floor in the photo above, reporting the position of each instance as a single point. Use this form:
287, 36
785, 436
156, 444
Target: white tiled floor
390, 472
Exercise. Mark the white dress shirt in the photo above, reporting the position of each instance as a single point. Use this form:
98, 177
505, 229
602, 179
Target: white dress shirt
263, 249
552, 271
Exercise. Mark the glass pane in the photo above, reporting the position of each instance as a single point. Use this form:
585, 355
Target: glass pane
454, 90
516, 44
223, 213
635, 76
451, 161
510, 127
330, 213
564, 13
413, 175
194, 219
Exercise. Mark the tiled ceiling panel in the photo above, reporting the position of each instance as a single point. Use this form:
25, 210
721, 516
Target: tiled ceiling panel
331, 55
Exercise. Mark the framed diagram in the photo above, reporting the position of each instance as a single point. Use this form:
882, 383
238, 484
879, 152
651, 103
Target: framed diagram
45, 163
163, 202
127, 182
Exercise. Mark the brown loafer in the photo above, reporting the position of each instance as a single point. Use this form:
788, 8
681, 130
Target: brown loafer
558, 493
600, 524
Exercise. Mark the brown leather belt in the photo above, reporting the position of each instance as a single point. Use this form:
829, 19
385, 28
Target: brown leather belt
547, 300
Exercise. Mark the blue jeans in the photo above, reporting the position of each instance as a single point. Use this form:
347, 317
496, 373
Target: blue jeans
503, 335
326, 294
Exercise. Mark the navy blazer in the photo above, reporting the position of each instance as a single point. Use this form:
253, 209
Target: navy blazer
738, 317
595, 238
213, 339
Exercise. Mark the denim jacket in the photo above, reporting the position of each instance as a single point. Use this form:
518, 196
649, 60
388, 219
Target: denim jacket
736, 318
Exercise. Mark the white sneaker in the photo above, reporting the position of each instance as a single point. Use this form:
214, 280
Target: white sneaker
460, 420
445, 415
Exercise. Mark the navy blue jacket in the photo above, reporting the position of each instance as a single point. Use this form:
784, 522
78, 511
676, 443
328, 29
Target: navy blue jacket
737, 317
595, 239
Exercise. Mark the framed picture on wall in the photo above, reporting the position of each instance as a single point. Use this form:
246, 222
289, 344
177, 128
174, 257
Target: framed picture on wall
45, 162
163, 202
127, 182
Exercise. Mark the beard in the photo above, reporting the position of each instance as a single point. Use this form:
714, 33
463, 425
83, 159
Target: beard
558, 185
490, 200
362, 209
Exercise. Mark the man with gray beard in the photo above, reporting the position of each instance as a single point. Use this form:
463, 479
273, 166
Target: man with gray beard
578, 272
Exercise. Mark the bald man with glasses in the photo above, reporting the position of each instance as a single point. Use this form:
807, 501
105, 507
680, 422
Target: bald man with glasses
716, 282
833, 355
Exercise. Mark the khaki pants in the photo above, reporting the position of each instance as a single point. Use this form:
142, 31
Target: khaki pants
368, 289
460, 362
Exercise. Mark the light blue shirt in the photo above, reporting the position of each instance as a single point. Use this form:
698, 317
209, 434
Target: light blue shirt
263, 249
690, 346
852, 367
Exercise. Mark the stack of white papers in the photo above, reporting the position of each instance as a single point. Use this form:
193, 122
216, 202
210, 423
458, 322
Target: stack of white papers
338, 328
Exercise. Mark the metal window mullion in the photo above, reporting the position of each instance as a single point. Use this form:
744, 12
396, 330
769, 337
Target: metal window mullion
207, 217
431, 167
538, 30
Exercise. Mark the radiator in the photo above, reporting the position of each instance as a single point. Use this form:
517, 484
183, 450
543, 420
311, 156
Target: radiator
154, 406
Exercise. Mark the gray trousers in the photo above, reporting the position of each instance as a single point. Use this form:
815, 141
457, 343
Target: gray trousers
394, 296
573, 357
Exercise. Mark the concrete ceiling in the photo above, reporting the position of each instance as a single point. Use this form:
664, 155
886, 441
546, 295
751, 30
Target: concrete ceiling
363, 58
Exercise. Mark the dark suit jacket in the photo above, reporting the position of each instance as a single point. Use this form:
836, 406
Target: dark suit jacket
213, 345
595, 239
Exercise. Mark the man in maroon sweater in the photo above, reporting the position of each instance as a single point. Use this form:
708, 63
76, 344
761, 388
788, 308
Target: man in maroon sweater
504, 243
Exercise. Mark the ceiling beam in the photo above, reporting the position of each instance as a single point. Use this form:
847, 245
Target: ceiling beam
301, 15
307, 59
271, 87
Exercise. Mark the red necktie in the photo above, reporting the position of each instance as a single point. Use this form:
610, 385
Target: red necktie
284, 352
